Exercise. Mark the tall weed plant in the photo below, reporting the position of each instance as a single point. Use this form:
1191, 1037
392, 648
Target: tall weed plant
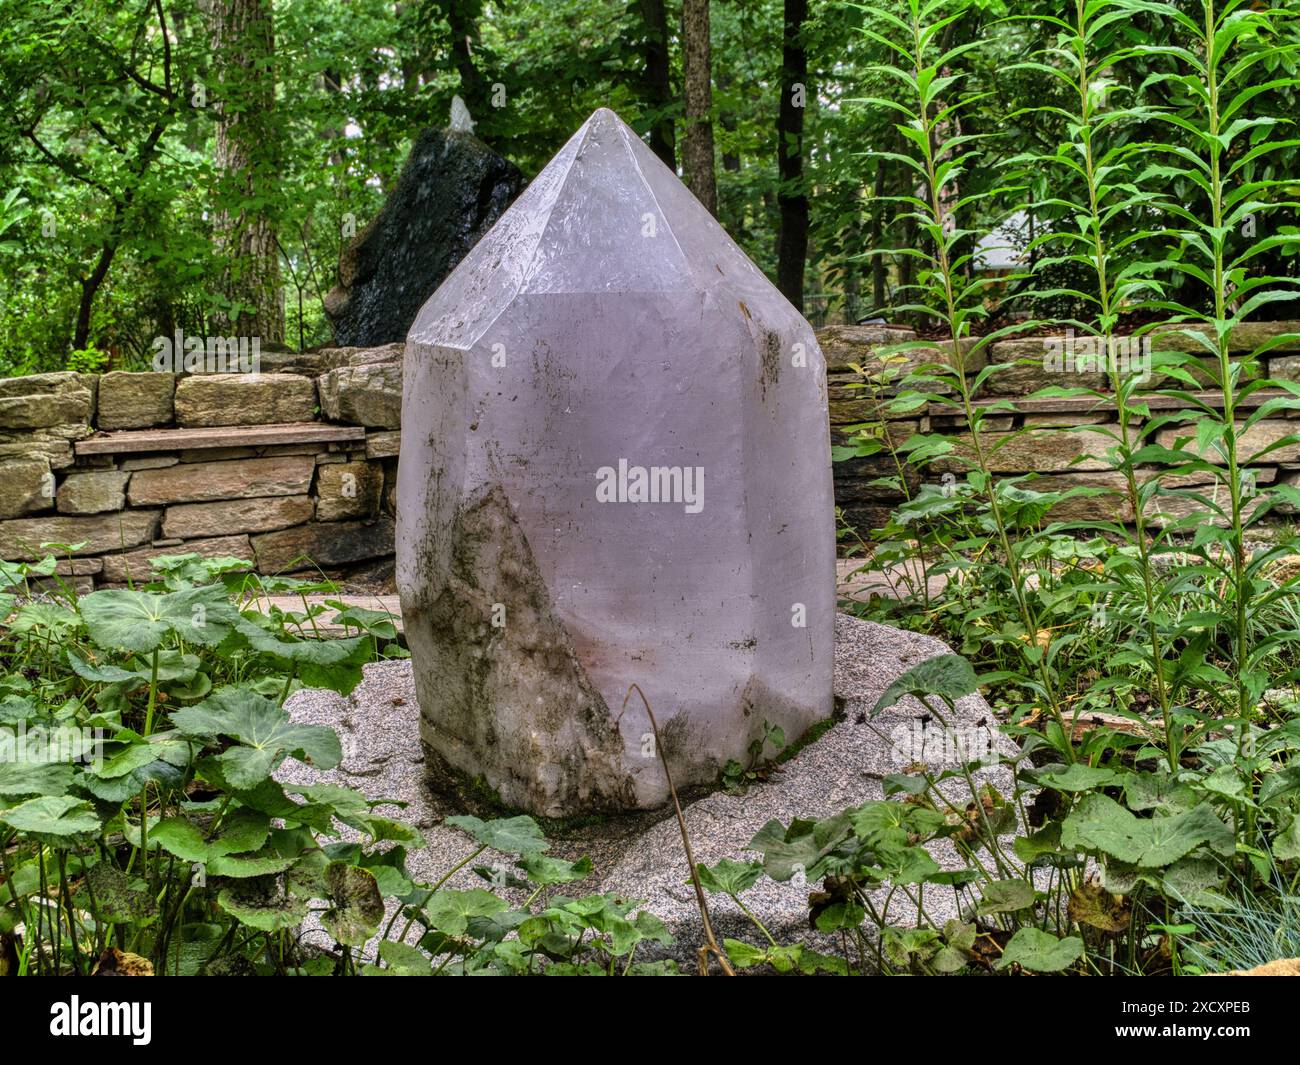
1142, 663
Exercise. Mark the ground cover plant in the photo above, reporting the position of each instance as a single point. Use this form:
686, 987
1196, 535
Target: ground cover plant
142, 830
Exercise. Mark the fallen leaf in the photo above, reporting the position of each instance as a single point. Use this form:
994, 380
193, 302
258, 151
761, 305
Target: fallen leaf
114, 962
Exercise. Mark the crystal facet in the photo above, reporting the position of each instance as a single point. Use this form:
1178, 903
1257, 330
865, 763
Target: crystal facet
615, 470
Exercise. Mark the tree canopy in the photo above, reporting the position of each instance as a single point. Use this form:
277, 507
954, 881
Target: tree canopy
127, 210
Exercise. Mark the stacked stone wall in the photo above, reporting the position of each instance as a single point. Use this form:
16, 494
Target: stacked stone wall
1063, 440
294, 467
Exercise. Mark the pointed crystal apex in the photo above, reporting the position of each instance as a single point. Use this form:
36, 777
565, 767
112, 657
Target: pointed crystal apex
604, 215
602, 117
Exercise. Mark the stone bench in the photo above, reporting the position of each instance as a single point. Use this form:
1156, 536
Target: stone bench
287, 496
144, 440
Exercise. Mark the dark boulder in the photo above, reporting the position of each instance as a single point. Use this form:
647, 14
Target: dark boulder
450, 192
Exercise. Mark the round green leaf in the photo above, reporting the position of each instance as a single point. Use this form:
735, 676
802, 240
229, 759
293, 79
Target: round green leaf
1040, 952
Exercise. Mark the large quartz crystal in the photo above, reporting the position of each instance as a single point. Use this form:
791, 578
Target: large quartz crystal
615, 470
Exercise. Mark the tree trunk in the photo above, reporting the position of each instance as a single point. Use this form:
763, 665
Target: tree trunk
108, 250
243, 42
697, 144
331, 82
462, 21
656, 81
731, 201
89, 288
877, 233
792, 239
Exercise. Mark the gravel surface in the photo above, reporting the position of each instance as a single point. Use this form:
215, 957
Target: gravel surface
642, 856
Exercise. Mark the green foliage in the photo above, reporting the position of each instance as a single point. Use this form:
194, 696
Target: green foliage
1259, 925
736, 776
112, 161
1141, 664
141, 810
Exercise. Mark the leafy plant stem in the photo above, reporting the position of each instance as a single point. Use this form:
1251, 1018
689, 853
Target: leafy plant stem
153, 694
